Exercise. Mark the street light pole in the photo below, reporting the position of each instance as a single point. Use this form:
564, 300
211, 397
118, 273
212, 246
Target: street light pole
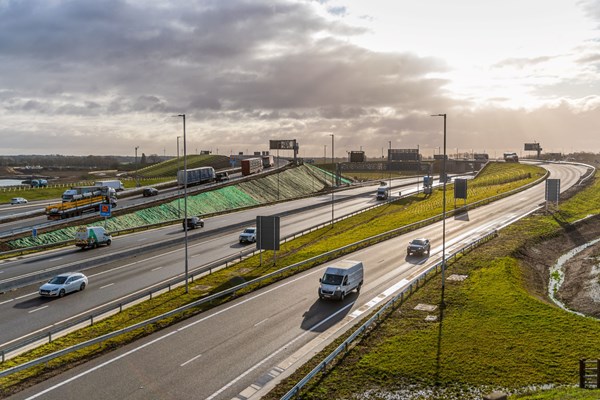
178, 202
390, 168
332, 177
443, 172
136, 167
185, 215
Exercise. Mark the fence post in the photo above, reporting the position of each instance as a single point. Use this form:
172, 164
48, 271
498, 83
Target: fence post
582, 373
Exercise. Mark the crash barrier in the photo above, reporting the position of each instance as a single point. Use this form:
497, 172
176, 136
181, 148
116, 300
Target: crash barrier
382, 313
589, 373
18, 348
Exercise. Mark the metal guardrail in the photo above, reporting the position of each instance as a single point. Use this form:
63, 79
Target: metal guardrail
12, 351
379, 315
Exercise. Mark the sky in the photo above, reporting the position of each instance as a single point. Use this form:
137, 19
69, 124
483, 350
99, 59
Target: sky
104, 78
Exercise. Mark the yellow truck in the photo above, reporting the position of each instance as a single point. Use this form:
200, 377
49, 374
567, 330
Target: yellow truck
77, 207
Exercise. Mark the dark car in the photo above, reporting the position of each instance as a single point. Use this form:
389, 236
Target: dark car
418, 247
150, 192
222, 176
193, 223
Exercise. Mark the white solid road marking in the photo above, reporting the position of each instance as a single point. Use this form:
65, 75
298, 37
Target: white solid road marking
190, 360
26, 295
37, 309
6, 301
105, 286
258, 323
155, 269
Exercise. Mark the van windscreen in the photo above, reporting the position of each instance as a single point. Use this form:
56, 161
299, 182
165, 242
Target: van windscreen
330, 279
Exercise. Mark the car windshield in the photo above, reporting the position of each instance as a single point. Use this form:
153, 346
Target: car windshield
330, 279
249, 230
418, 242
58, 280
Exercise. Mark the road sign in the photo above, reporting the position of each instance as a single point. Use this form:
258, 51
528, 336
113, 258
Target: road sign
552, 190
105, 210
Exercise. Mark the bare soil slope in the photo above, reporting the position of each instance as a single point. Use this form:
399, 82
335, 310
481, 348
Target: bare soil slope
580, 290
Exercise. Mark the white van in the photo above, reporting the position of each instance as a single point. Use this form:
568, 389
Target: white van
340, 279
91, 236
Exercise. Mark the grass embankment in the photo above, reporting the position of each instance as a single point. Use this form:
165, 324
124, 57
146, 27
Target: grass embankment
344, 232
170, 167
495, 332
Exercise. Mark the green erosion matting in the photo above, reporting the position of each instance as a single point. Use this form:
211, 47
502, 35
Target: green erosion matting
330, 175
293, 183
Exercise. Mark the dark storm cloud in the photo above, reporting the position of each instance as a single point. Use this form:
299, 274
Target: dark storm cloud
263, 68
198, 54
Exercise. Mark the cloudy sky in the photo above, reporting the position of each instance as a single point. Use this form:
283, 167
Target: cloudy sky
84, 77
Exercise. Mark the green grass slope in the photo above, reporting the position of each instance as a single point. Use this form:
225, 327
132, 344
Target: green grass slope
494, 334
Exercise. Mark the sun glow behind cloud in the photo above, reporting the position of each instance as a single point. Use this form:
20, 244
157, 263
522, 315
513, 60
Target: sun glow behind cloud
498, 53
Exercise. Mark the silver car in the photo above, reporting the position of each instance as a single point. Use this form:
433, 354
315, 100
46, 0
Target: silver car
18, 200
63, 284
249, 235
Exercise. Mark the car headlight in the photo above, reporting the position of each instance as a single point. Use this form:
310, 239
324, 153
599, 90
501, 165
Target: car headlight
337, 289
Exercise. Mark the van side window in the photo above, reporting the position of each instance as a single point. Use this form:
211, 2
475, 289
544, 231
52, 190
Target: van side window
346, 280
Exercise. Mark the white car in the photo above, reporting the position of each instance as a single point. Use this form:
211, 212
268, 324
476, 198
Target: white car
18, 200
249, 235
63, 284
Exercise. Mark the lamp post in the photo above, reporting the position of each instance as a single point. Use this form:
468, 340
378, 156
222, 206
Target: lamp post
136, 167
332, 177
443, 173
178, 203
185, 201
390, 167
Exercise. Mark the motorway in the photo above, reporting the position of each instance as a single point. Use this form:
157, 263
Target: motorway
237, 348
133, 266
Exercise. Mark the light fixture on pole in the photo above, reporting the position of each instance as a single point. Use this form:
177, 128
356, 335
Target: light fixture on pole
185, 215
136, 167
443, 177
332, 177
390, 169
178, 186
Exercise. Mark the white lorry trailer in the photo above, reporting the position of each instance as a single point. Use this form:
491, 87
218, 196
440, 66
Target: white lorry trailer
115, 184
340, 279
